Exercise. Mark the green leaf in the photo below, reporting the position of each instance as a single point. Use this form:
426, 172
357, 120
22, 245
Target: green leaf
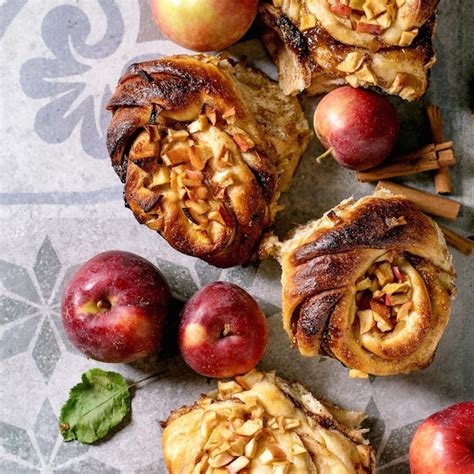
95, 406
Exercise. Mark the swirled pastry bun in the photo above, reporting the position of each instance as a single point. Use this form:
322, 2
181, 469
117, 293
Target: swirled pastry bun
204, 146
261, 424
369, 284
313, 58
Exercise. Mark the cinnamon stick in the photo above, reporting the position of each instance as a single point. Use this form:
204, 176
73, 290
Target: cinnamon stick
465, 246
427, 202
442, 179
428, 158
431, 150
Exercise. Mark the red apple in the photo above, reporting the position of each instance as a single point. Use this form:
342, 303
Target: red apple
223, 331
444, 442
113, 308
204, 25
360, 127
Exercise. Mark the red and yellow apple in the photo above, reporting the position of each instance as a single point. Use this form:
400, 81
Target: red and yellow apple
359, 126
223, 331
114, 307
444, 442
204, 25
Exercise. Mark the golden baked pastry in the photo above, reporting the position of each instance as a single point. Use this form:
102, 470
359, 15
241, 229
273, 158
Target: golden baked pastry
259, 424
369, 284
205, 146
310, 59
370, 24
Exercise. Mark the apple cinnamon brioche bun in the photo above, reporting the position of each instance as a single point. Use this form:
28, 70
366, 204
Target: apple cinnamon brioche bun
369, 284
258, 424
316, 48
205, 146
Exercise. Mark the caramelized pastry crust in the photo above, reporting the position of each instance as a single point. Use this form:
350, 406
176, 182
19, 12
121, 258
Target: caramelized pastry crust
205, 146
310, 58
369, 284
259, 424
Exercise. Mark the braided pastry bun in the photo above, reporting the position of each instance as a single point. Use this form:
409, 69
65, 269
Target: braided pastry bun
261, 424
372, 24
369, 284
205, 146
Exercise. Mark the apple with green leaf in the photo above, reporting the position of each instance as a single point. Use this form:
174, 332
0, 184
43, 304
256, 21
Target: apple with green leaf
114, 307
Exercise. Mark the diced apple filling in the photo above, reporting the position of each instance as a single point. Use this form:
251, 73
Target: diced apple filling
368, 16
231, 436
177, 163
383, 296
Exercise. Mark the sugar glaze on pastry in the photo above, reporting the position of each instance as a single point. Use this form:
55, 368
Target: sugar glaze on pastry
204, 146
260, 424
369, 284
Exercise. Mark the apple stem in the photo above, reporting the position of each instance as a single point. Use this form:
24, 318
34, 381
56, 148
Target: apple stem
226, 330
104, 304
324, 155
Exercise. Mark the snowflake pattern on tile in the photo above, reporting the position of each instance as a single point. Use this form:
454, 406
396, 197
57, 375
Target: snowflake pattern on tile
16, 441
31, 303
46, 352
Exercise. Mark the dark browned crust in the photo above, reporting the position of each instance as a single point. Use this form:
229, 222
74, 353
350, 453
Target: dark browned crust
159, 94
324, 272
172, 84
310, 322
423, 9
288, 32
292, 391
279, 32
370, 226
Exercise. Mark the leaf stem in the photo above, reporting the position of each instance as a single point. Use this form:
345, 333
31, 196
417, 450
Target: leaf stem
134, 384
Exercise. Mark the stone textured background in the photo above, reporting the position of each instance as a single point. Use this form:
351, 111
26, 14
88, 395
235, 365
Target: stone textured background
61, 203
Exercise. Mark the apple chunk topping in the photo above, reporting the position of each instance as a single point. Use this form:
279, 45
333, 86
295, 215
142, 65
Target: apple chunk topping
243, 430
370, 16
293, 431
383, 295
182, 166
228, 388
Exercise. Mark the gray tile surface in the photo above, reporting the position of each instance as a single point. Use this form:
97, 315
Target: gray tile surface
15, 441
46, 430
46, 352
17, 339
61, 204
